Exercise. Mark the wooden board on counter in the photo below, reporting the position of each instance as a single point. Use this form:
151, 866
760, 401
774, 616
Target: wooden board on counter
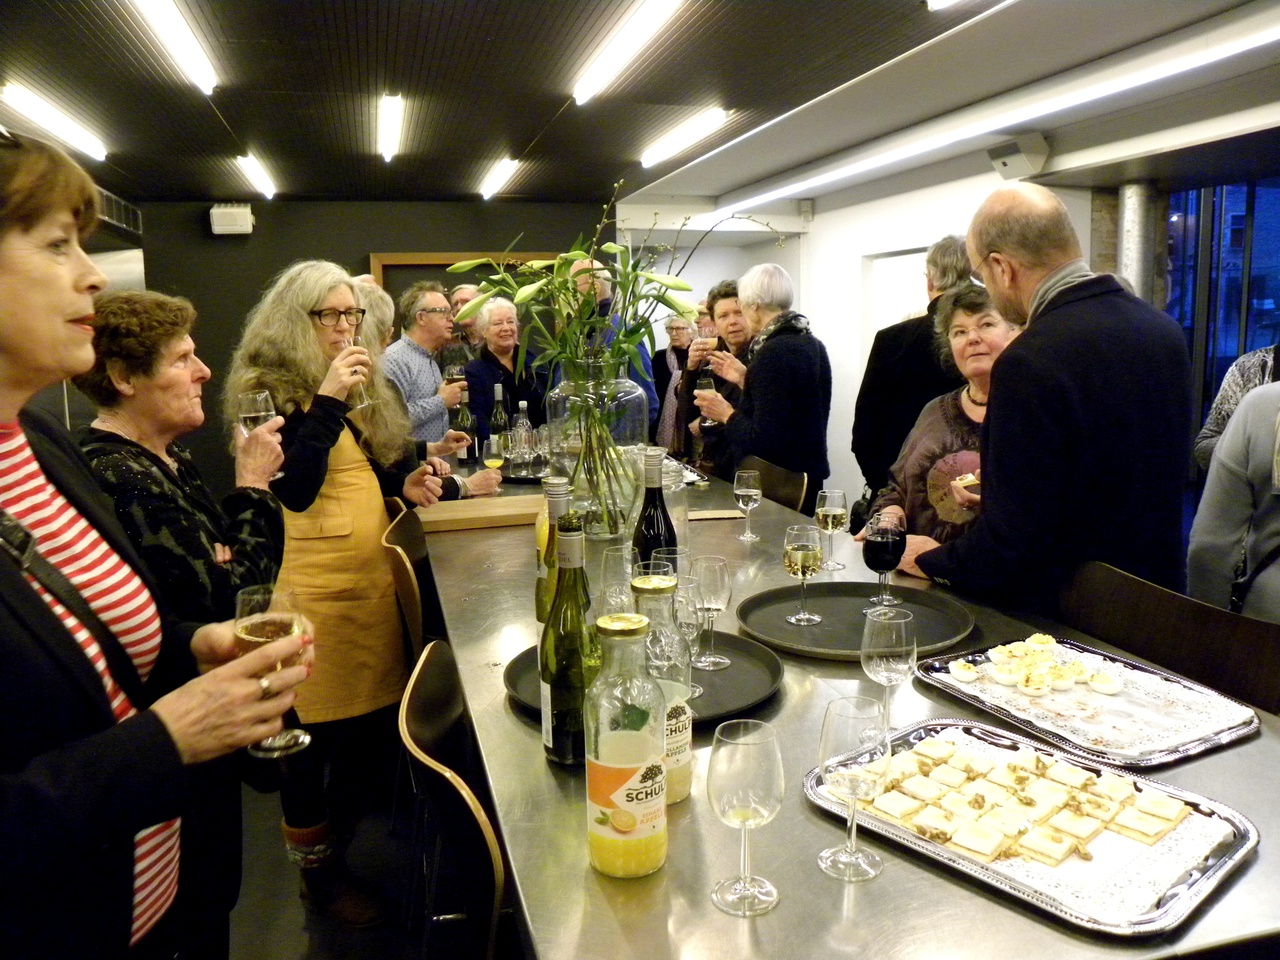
480, 512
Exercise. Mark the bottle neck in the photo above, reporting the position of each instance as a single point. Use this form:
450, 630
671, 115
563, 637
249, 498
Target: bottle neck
657, 607
556, 507
569, 550
653, 475
622, 655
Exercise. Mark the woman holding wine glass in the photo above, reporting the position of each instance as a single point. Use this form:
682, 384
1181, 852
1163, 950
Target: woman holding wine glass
114, 844
500, 333
338, 466
924, 488
147, 383
714, 363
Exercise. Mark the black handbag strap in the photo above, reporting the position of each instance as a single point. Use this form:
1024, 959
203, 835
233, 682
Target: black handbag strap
17, 541
1241, 585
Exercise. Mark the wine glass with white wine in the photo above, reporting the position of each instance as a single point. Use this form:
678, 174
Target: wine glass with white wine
802, 556
253, 409
358, 397
832, 515
265, 614
746, 493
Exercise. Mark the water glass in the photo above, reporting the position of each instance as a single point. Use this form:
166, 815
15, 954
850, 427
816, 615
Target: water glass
746, 493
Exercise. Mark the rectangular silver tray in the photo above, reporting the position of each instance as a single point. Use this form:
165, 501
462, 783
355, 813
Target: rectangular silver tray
930, 669
1173, 908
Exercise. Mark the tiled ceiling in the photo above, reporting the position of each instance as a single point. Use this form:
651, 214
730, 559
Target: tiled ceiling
300, 82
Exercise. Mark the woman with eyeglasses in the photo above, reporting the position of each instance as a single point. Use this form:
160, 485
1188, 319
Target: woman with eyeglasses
110, 736
339, 463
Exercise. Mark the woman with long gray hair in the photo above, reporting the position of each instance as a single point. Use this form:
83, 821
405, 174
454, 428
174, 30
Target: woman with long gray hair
339, 463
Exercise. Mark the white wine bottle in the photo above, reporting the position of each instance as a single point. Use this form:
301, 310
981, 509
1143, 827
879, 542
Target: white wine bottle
565, 637
464, 420
499, 422
554, 507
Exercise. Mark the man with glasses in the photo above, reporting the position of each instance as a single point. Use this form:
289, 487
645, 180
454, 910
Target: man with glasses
427, 322
1087, 439
464, 345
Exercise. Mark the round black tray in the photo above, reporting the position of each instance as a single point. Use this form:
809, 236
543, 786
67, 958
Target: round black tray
753, 675
524, 478
939, 620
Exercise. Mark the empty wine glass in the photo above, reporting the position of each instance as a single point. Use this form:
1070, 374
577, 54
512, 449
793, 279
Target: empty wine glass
264, 614
832, 515
854, 733
746, 493
616, 564
253, 409
715, 589
882, 551
745, 786
889, 649
688, 616
358, 396
801, 556
678, 557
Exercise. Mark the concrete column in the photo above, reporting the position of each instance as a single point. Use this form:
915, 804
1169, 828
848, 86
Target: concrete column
1136, 237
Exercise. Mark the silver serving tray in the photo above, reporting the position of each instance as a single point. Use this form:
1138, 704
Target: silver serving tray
1173, 908
929, 670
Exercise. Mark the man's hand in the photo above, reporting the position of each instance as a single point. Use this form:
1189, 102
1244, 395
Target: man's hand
451, 393
695, 427
893, 510
422, 487
916, 545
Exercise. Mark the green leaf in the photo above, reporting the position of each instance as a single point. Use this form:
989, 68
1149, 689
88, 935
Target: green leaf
472, 308
463, 266
611, 248
540, 264
666, 279
527, 292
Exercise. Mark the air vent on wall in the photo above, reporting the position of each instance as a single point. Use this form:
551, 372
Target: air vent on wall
118, 213
231, 218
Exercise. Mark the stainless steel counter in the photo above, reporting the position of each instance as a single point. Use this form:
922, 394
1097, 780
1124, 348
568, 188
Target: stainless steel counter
915, 909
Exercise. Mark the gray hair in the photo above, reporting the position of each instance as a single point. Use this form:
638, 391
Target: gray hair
379, 312
767, 285
947, 263
280, 353
675, 318
485, 317
971, 298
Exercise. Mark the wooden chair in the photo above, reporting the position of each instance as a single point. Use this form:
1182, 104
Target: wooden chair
451, 826
1236, 655
782, 486
406, 546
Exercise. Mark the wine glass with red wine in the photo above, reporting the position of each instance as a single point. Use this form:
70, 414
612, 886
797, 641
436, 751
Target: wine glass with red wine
882, 551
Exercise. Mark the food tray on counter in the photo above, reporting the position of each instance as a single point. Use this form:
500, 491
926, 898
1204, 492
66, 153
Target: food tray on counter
940, 621
1148, 890
1157, 717
753, 676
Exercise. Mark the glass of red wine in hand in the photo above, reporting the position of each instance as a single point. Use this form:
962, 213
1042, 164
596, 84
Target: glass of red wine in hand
882, 551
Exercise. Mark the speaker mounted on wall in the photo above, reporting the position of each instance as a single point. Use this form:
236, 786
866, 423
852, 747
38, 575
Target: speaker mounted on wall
231, 218
1024, 156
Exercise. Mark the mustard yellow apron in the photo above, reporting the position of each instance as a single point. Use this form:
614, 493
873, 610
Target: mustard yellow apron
334, 563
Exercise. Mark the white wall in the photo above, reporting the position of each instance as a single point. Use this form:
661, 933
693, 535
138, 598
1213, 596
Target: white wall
708, 266
861, 268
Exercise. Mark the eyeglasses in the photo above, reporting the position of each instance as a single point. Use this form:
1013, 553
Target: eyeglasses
329, 318
444, 310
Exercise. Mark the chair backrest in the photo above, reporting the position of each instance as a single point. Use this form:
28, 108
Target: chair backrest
1235, 655
430, 711
782, 486
405, 544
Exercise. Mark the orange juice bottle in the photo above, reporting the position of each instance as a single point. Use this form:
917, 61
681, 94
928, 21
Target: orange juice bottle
623, 719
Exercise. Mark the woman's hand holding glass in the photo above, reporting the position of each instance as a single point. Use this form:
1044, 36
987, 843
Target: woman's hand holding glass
258, 453
745, 786
349, 370
854, 733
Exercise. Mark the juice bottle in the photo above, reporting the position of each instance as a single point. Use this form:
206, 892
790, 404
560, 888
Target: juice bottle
667, 655
623, 717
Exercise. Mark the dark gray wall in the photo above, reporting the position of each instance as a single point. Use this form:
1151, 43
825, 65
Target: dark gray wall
225, 275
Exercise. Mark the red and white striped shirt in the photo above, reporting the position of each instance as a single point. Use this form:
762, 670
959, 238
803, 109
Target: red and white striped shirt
117, 595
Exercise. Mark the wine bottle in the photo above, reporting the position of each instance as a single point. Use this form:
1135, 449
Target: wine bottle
626, 779
464, 420
553, 508
499, 422
565, 637
654, 528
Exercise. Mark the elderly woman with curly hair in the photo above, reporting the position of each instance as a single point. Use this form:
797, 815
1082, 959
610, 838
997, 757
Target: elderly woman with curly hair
339, 463
499, 332
147, 383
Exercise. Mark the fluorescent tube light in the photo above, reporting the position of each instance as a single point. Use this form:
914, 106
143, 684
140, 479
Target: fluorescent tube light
44, 114
502, 171
256, 175
1117, 75
390, 123
935, 5
626, 44
684, 136
171, 29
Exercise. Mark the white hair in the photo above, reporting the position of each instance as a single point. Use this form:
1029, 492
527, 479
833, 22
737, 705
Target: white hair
767, 285
486, 313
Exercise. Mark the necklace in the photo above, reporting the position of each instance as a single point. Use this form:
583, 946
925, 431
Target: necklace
969, 394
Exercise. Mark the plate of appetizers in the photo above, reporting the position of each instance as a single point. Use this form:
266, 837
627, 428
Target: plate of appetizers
1097, 847
1098, 705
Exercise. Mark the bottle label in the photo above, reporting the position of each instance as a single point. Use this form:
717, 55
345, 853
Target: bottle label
569, 551
546, 714
627, 802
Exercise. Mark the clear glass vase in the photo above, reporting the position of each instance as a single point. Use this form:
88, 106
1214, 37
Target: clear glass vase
598, 421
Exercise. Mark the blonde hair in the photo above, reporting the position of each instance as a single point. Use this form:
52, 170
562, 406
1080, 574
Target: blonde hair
280, 353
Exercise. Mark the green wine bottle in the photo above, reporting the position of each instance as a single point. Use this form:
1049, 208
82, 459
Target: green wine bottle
565, 640
465, 420
557, 503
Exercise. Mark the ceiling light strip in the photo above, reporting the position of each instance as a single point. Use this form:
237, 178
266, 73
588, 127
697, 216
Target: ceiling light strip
172, 30
48, 117
623, 47
257, 175
390, 125
497, 177
1161, 60
684, 136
